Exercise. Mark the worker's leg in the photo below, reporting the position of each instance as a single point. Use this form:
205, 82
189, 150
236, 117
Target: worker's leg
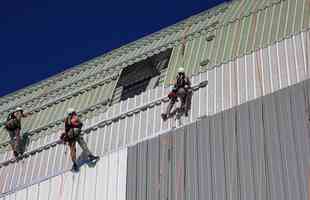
85, 148
72, 147
80, 140
188, 101
13, 143
170, 106
168, 110
83, 145
17, 141
182, 96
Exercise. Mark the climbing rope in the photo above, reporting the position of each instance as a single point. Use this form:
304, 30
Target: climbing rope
306, 96
183, 40
183, 45
61, 189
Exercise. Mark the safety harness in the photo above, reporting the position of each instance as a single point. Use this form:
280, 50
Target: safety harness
66, 137
12, 123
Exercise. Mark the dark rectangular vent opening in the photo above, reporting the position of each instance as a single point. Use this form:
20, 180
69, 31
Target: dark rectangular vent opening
141, 76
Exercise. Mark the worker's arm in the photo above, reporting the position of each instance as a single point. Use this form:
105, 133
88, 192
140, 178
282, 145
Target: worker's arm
188, 82
26, 114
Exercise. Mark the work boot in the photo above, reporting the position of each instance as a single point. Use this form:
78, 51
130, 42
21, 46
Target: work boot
164, 116
15, 154
92, 157
75, 167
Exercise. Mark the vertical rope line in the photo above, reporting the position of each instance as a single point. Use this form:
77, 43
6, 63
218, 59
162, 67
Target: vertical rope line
163, 172
259, 73
183, 47
236, 134
307, 102
224, 154
307, 121
295, 140
157, 184
183, 41
252, 151
260, 79
61, 189
185, 163
238, 156
307, 52
178, 170
265, 151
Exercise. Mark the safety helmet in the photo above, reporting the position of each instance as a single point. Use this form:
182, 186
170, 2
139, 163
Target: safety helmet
181, 70
70, 111
18, 109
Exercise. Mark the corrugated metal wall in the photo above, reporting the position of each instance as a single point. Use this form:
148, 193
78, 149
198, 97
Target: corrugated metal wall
259, 150
105, 181
229, 85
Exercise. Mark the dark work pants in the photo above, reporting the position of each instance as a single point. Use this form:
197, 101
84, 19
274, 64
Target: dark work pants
76, 133
185, 96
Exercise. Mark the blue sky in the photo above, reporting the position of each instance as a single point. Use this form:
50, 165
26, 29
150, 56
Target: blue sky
39, 38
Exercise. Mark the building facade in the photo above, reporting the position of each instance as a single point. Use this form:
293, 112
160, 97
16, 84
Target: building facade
246, 137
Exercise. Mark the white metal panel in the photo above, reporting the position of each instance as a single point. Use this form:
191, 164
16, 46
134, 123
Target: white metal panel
122, 175
107, 179
33, 192
258, 150
45, 189
22, 195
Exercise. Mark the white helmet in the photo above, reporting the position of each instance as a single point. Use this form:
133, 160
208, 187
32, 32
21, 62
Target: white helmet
70, 111
181, 70
18, 109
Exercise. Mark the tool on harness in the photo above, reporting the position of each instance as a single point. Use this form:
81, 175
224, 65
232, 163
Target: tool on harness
172, 95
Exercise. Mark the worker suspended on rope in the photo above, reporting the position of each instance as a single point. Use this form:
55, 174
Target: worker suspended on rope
182, 90
72, 134
13, 127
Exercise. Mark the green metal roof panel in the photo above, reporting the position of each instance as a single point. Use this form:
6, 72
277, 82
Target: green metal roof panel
59, 93
266, 27
290, 18
306, 11
298, 16
273, 21
80, 101
259, 31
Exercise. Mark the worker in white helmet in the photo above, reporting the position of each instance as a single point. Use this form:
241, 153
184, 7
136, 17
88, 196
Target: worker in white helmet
182, 90
13, 126
72, 134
